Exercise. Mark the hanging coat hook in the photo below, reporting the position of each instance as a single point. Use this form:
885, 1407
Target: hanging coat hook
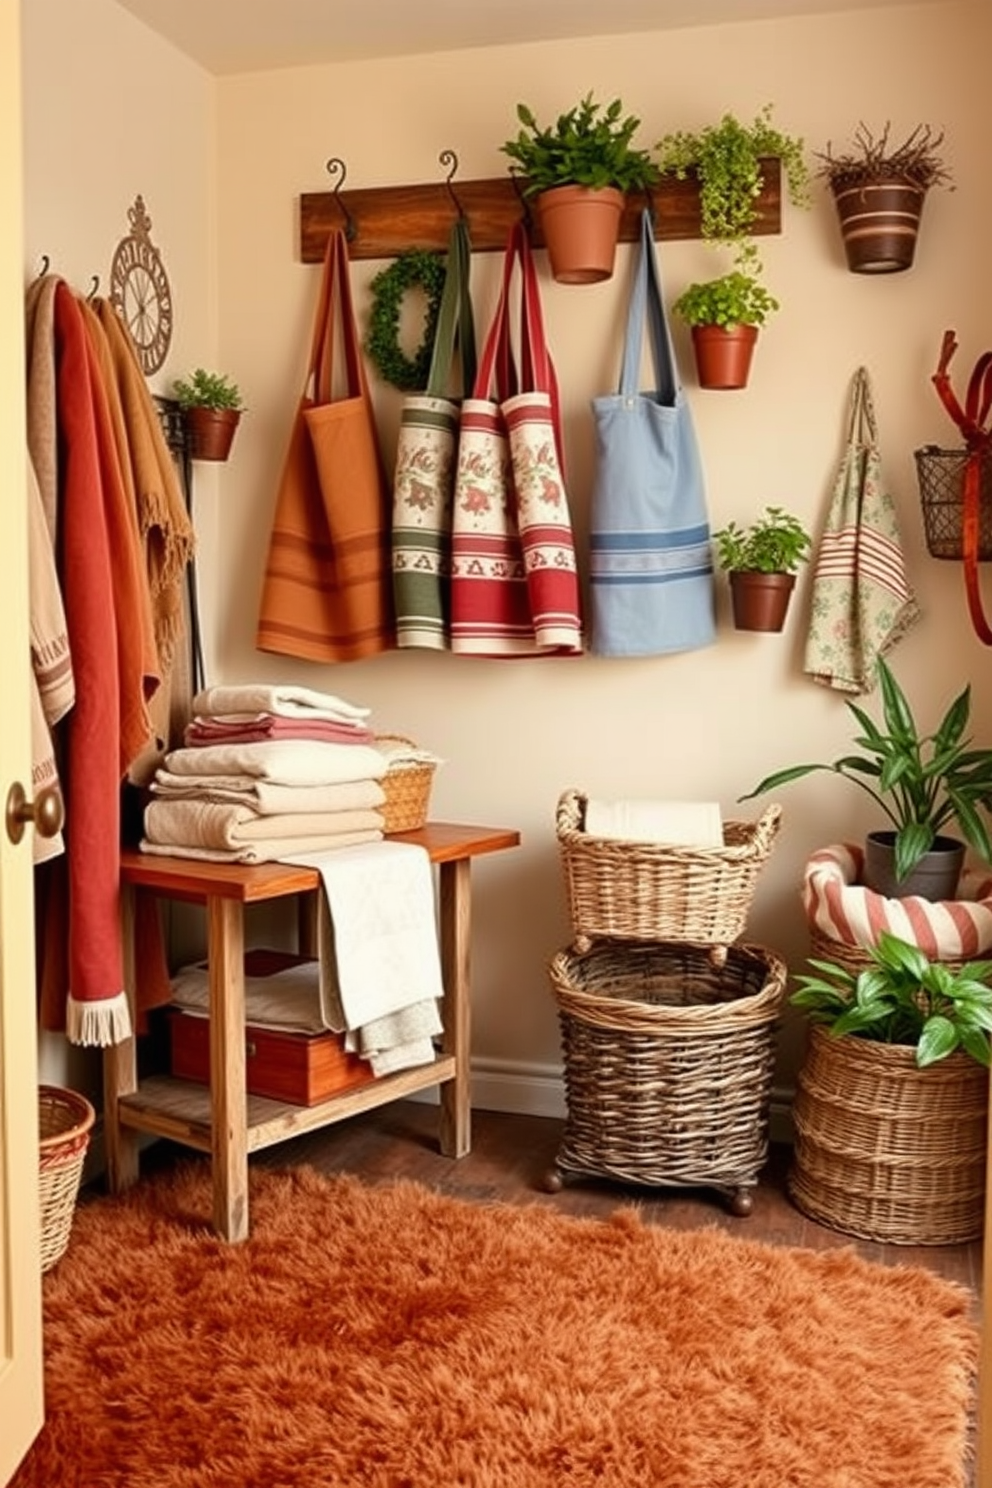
449, 159
652, 208
45, 261
524, 203
337, 167
93, 287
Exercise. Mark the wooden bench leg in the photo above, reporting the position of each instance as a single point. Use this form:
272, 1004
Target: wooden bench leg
455, 926
120, 1070
228, 1098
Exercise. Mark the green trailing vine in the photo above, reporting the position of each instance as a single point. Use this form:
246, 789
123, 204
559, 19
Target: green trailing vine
413, 269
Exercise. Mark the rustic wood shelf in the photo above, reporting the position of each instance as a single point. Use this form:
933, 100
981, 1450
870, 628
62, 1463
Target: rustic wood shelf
389, 219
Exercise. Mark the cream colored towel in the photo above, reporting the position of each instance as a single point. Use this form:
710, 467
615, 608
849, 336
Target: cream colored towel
284, 701
275, 850
681, 823
287, 761
265, 797
210, 824
287, 1000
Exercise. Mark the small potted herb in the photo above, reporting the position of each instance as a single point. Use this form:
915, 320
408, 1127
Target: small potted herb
761, 562
724, 316
212, 407
879, 189
579, 170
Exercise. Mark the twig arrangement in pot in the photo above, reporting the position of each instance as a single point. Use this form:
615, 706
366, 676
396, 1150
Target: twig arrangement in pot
761, 562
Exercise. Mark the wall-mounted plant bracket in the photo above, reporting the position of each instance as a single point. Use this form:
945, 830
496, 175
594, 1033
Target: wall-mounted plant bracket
386, 220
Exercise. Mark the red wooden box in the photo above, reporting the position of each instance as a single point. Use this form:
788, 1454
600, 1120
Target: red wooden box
302, 1069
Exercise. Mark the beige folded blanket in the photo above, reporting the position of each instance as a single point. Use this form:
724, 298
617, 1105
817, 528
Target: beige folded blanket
682, 823
285, 701
210, 824
267, 797
288, 761
274, 850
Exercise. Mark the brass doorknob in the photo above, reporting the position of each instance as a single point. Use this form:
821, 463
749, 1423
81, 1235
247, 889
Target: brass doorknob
45, 811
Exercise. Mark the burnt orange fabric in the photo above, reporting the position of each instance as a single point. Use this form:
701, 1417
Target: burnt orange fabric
327, 594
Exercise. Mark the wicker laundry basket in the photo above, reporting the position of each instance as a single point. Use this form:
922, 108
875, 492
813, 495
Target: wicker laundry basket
887, 1151
645, 891
64, 1120
407, 785
668, 1064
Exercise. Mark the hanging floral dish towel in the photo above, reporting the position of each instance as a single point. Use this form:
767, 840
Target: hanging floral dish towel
514, 585
651, 567
861, 600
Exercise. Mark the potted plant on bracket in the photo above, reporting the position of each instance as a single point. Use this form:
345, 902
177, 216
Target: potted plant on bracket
921, 783
879, 190
723, 316
579, 170
212, 409
761, 562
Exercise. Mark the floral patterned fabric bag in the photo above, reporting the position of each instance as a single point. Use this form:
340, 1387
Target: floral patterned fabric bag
514, 585
425, 466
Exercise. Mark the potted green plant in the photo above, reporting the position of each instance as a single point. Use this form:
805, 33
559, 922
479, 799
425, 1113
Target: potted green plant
578, 170
212, 408
761, 563
723, 316
920, 782
878, 190
892, 1097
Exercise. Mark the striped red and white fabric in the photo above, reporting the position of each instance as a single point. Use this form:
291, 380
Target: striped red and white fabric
841, 908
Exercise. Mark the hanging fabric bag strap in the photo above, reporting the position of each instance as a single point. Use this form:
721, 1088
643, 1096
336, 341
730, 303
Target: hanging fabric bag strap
335, 296
972, 420
537, 369
455, 321
646, 303
863, 431
497, 352
321, 341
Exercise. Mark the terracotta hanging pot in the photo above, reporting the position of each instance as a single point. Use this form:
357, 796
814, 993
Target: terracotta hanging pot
760, 600
879, 223
723, 354
580, 228
211, 432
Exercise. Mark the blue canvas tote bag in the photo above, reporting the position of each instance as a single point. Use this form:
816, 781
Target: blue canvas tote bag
650, 561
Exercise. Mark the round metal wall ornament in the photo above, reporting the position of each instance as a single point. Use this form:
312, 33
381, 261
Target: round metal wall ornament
139, 289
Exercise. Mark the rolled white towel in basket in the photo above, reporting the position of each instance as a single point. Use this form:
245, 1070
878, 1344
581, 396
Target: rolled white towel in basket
681, 823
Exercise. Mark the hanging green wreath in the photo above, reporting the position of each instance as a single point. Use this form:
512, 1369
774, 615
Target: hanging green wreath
412, 269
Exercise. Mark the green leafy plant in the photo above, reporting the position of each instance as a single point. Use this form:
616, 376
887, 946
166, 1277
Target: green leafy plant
206, 390
726, 160
920, 782
872, 158
903, 998
776, 542
736, 299
587, 146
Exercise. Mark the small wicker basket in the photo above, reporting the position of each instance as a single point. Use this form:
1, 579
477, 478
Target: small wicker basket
64, 1119
940, 476
407, 785
646, 891
668, 1063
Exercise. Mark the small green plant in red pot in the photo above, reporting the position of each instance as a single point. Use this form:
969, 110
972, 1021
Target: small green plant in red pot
761, 562
212, 407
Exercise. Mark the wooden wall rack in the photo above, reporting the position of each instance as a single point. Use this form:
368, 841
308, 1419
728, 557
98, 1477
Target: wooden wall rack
389, 219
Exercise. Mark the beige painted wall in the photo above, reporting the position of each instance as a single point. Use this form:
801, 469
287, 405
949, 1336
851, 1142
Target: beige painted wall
702, 725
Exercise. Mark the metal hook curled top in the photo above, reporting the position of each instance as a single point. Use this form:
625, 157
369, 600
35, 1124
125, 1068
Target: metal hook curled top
449, 160
93, 287
45, 262
337, 167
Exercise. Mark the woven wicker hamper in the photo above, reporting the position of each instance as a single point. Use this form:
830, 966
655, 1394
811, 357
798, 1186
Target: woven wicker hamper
668, 1063
64, 1122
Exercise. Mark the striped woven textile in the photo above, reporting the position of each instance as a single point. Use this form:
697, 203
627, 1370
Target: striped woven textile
839, 907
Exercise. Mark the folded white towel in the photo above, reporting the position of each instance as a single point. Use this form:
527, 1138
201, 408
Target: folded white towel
285, 701
680, 823
211, 824
267, 797
288, 761
276, 850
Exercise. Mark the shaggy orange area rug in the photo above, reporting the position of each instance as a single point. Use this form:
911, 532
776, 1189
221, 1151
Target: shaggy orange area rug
395, 1338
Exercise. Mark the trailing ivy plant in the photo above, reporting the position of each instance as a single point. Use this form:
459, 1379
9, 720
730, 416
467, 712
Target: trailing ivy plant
587, 146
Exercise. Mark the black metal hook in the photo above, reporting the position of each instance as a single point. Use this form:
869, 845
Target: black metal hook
449, 159
524, 203
45, 261
93, 288
336, 166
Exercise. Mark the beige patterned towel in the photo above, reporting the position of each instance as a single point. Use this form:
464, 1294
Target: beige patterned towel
210, 824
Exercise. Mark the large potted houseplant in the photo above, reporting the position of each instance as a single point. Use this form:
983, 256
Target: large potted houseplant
212, 407
892, 1097
761, 562
578, 170
723, 316
921, 783
879, 189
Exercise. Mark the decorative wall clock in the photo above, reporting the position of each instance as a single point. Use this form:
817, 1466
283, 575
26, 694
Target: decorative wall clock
139, 289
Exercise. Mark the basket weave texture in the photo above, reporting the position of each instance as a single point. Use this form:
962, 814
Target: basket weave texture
886, 1151
655, 892
64, 1120
668, 1061
408, 790
940, 475
855, 958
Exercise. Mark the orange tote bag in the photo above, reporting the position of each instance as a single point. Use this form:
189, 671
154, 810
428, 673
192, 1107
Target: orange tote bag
327, 593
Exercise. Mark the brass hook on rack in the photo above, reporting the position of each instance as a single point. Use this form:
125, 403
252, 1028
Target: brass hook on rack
93, 288
449, 159
336, 166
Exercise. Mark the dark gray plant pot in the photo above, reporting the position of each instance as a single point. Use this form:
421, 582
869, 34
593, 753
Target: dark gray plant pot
934, 877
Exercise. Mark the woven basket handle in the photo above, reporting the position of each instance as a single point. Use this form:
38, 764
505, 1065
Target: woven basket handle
767, 827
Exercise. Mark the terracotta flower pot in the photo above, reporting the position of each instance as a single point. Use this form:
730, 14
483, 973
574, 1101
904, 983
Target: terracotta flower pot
211, 432
723, 354
879, 224
580, 228
760, 600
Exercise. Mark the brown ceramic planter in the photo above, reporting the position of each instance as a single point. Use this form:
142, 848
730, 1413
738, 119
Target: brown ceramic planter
935, 877
580, 228
723, 354
760, 600
211, 432
879, 224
